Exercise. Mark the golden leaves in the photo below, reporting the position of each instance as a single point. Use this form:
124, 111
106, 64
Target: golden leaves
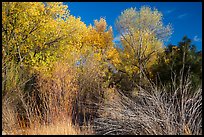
30, 27
37, 28
142, 35
100, 25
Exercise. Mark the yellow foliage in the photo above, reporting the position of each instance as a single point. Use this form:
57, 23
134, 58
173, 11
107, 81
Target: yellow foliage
140, 37
41, 33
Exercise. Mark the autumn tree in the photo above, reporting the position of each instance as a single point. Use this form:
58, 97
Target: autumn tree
98, 46
41, 43
98, 42
94, 52
142, 34
34, 35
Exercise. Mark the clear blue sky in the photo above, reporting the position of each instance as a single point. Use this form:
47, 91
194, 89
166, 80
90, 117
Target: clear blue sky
185, 17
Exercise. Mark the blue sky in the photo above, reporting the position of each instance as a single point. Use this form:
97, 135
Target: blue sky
185, 17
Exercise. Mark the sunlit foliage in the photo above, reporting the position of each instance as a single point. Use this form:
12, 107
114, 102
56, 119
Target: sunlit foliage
142, 35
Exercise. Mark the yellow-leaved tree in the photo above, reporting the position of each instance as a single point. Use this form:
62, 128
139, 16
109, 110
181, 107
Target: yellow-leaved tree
36, 35
41, 43
97, 43
142, 34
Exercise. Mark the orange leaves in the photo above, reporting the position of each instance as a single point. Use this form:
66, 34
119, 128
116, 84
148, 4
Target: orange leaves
100, 36
97, 40
100, 25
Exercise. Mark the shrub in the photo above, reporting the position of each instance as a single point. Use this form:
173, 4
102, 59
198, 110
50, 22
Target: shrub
155, 111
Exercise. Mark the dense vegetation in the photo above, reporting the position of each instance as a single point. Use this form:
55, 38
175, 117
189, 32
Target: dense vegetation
58, 73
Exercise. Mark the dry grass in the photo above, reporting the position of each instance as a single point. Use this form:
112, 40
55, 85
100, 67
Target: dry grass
65, 128
59, 125
60, 128
155, 111
48, 108
44, 110
9, 119
59, 122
